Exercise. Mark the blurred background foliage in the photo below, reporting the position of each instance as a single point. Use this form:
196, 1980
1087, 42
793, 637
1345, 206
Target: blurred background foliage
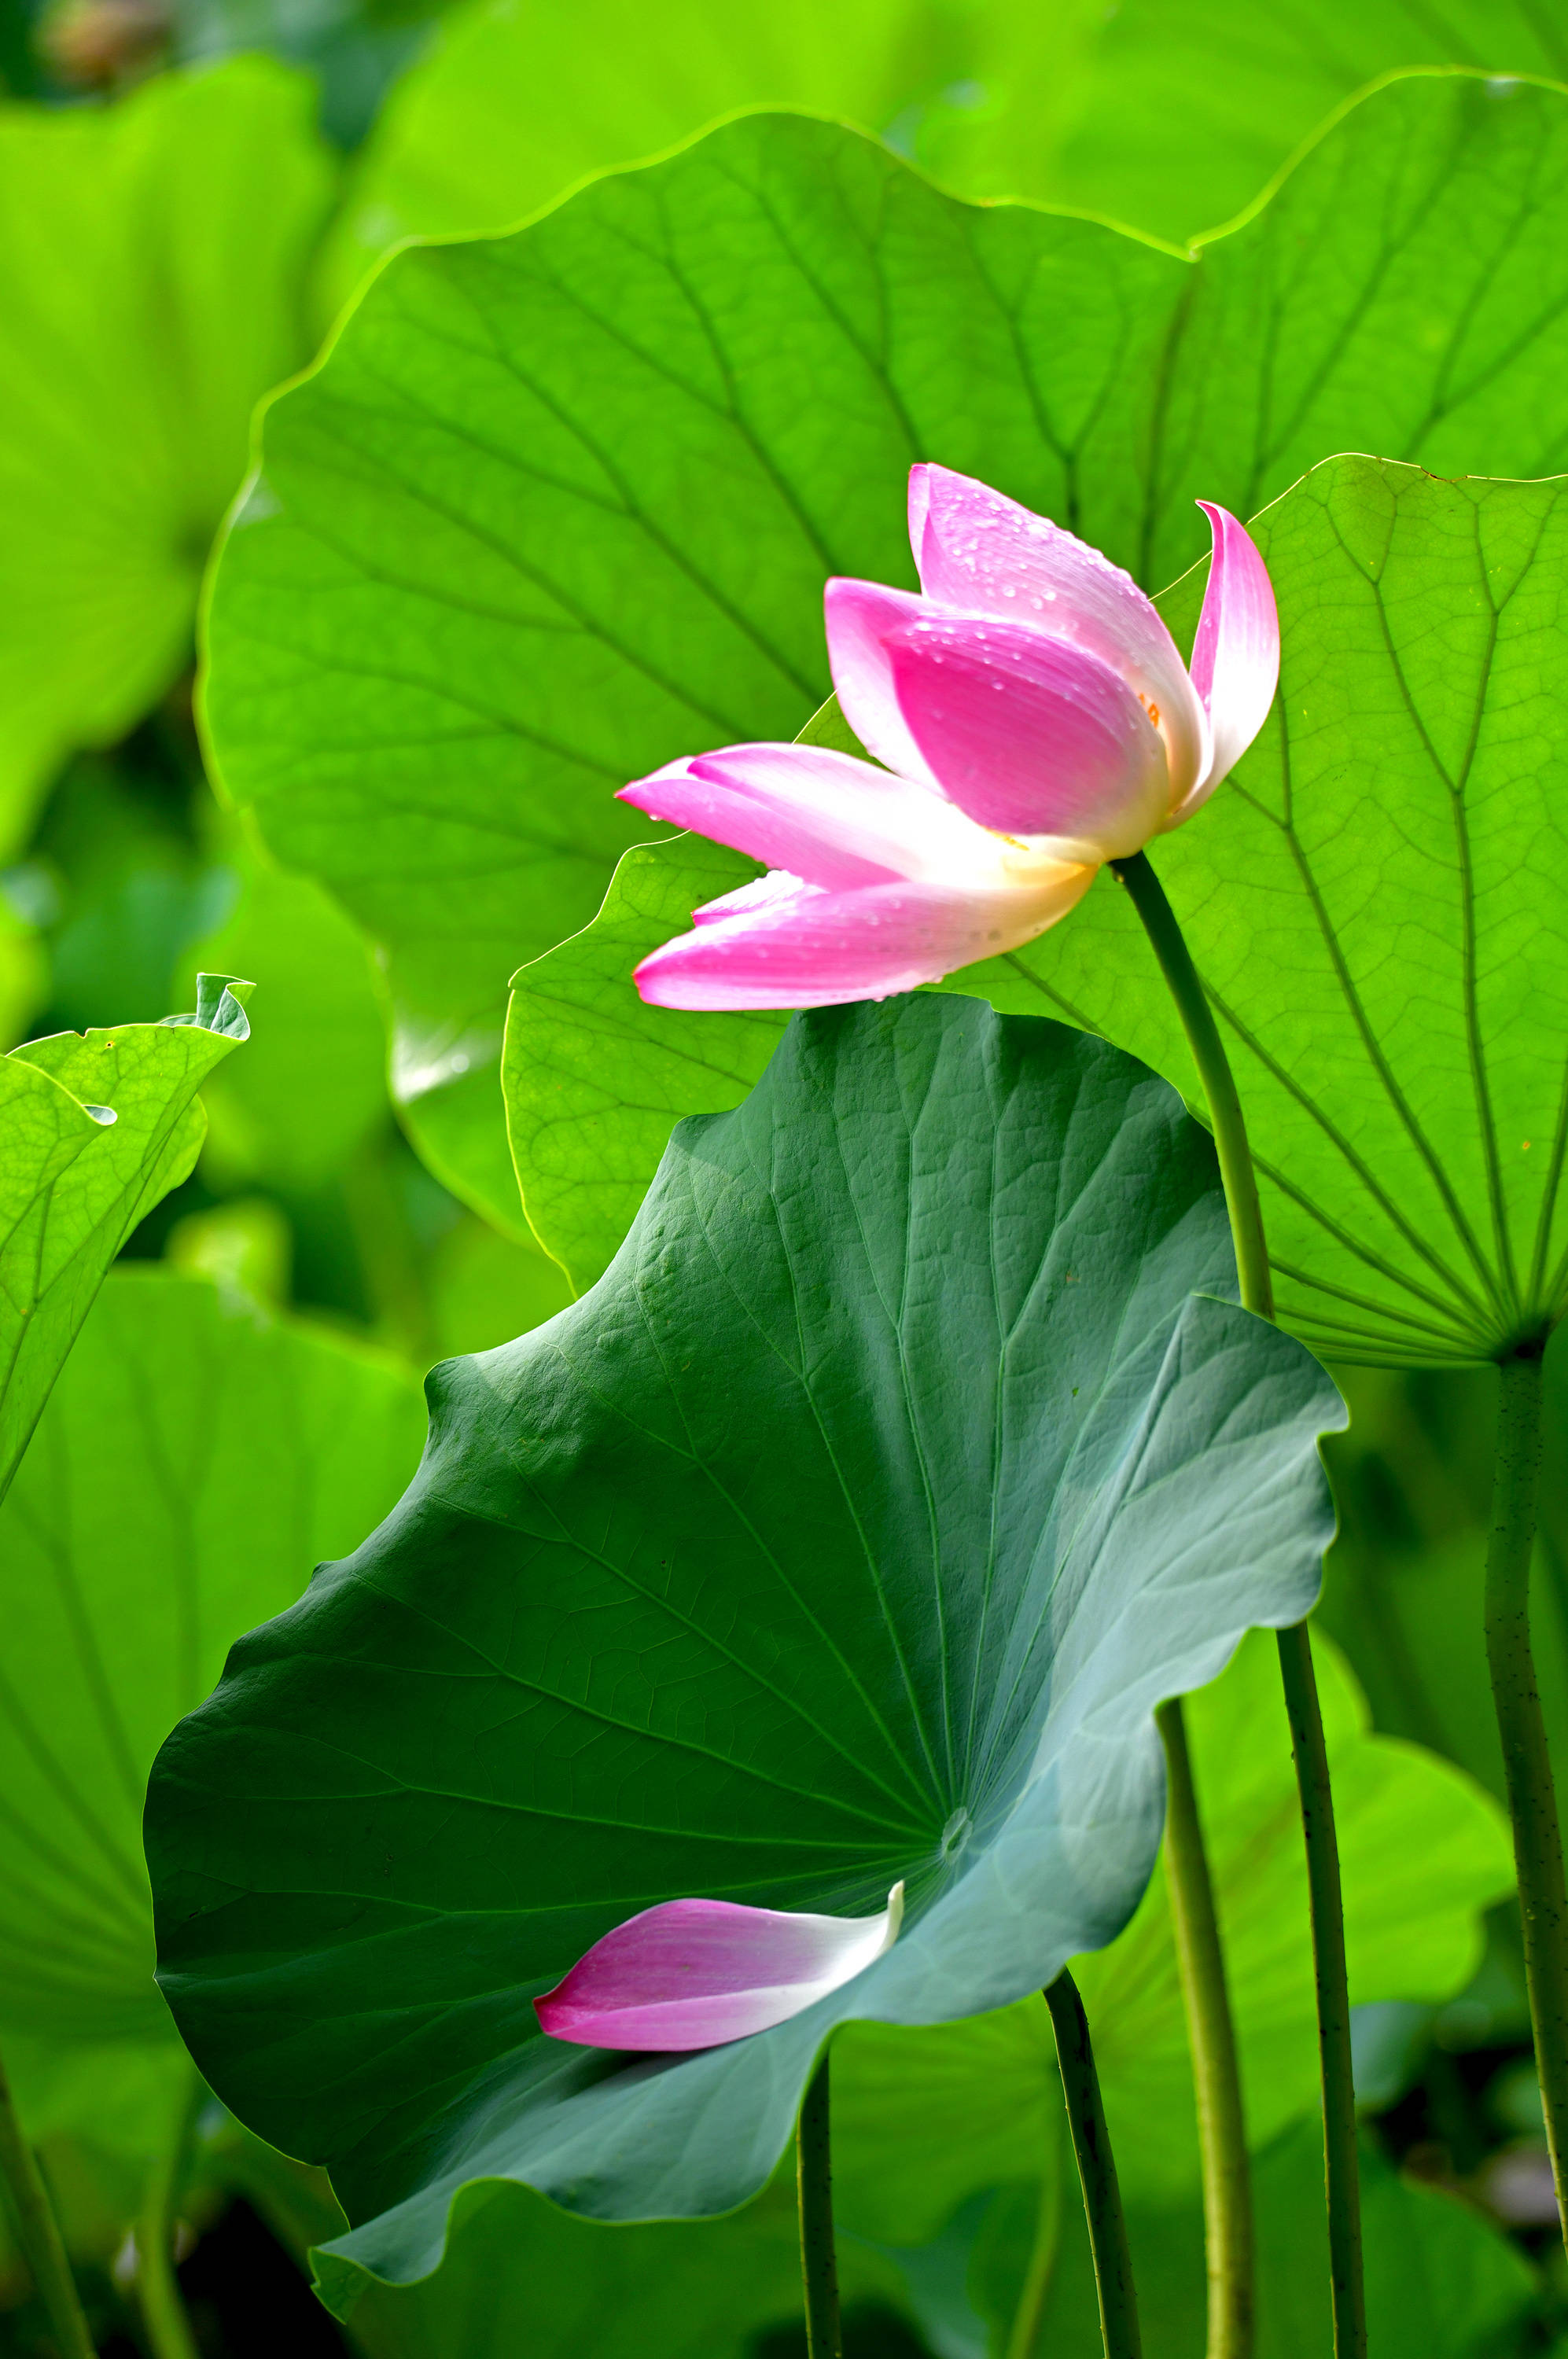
189, 191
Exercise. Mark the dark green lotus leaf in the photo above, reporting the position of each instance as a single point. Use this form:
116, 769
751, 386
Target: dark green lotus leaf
95, 1128
848, 1531
559, 507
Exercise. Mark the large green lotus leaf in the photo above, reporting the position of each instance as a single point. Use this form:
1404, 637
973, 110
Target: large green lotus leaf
926, 2118
847, 1532
510, 105
1184, 107
97, 1127
520, 2276
292, 1111
1376, 900
152, 260
560, 506
192, 1462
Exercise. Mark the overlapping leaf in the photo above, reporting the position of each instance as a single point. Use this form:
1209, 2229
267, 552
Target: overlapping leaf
193, 1462
97, 1127
152, 262
560, 506
847, 1532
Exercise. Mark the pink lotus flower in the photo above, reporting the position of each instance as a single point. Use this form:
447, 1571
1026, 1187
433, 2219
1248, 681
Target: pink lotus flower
1035, 720
695, 1973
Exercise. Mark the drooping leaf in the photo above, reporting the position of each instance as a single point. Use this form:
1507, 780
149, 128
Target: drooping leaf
926, 2118
98, 1126
519, 2275
559, 507
193, 1462
152, 285
906, 1438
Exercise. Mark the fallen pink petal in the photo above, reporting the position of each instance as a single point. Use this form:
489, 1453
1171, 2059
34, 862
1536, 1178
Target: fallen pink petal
1030, 718
698, 1973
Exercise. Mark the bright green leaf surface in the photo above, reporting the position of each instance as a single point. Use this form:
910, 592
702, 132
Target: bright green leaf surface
98, 1128
152, 259
925, 2118
194, 1462
1185, 107
512, 105
291, 1111
905, 1441
1376, 899
559, 507
594, 1080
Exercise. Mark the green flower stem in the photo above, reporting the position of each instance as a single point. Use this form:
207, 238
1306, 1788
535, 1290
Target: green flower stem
1211, 2035
1028, 2317
1526, 1764
818, 2262
38, 2232
1342, 2161
1096, 2171
157, 2288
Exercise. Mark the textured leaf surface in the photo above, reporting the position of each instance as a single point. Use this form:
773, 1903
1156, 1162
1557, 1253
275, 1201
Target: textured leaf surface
152, 262
559, 507
75, 1182
926, 2118
847, 1532
193, 1462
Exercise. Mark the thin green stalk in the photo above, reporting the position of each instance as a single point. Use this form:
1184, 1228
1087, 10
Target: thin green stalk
1028, 2317
1211, 2035
1342, 2162
1326, 1904
38, 2232
819, 2261
1526, 1764
1096, 2171
158, 2287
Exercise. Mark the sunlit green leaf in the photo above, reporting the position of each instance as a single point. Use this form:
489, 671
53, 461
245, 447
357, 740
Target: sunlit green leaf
98, 1126
928, 2117
291, 1112
561, 507
193, 1462
906, 1437
152, 261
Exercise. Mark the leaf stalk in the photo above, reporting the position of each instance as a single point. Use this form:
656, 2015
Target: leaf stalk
1342, 2160
38, 2232
1096, 2171
1211, 2035
1527, 1762
819, 2260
